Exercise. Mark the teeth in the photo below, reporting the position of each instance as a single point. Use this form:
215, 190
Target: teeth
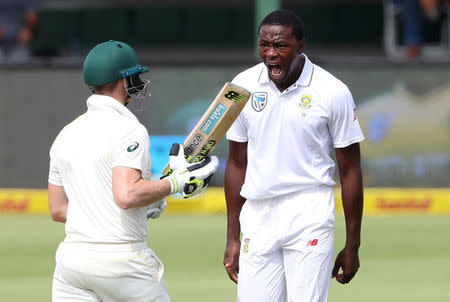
275, 69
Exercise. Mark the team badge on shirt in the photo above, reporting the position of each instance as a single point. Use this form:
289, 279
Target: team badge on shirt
305, 104
259, 100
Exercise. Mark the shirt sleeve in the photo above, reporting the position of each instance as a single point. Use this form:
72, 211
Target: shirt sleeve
54, 177
344, 125
238, 131
133, 150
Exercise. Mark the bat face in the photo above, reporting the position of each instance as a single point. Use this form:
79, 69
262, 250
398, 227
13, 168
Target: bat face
213, 118
214, 123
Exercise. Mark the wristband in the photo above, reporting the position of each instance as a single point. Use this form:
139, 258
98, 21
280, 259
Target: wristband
173, 184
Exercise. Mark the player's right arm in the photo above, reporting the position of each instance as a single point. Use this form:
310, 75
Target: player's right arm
57, 198
131, 190
234, 179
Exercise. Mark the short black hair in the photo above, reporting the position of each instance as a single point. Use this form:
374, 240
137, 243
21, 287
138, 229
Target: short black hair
284, 18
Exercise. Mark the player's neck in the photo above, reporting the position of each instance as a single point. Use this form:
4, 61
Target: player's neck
118, 95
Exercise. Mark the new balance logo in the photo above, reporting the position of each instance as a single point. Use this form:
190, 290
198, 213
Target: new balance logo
234, 96
312, 242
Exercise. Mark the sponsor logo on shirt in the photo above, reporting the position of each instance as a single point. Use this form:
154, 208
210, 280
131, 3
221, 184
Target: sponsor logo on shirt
313, 242
259, 101
305, 104
133, 147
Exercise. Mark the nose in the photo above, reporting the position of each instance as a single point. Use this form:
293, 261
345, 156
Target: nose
271, 52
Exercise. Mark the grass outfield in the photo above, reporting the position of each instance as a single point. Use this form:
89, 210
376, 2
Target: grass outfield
403, 259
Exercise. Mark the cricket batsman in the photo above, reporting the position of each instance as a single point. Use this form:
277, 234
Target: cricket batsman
99, 185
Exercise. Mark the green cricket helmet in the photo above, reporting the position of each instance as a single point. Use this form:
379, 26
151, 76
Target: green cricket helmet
111, 61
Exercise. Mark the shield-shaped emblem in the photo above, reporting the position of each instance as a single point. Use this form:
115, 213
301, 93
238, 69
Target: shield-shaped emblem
259, 100
306, 101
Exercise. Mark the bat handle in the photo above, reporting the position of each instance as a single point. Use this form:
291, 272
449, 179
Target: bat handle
166, 171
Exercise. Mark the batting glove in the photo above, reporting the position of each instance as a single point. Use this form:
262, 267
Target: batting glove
189, 179
155, 209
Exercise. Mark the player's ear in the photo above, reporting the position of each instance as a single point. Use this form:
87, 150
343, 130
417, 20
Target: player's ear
301, 46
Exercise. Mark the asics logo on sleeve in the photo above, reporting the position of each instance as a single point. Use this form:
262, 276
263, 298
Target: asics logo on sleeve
133, 147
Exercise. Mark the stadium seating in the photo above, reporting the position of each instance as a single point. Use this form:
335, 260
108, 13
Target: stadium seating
61, 31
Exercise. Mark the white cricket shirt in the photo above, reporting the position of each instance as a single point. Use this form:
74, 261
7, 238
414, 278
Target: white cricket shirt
81, 160
291, 134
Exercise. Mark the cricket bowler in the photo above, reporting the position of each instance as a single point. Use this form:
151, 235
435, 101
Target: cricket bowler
99, 186
279, 173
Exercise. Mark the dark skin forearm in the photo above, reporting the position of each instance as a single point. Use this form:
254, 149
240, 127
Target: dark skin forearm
352, 201
349, 162
234, 179
352, 193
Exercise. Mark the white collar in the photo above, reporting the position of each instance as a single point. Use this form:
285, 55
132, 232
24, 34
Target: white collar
304, 79
98, 100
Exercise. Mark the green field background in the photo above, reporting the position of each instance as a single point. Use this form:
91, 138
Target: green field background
403, 258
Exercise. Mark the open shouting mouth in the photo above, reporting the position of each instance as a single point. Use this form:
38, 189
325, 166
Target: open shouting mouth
275, 71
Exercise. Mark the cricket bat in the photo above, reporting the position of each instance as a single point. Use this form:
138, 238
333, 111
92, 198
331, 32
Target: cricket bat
214, 123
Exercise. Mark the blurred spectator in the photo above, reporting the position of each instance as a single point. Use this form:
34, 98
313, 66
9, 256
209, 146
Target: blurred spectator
431, 8
18, 24
412, 24
412, 21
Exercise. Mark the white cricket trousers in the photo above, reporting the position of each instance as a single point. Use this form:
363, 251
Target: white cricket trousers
287, 247
108, 272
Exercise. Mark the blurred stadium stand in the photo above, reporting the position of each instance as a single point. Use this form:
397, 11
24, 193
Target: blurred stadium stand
175, 31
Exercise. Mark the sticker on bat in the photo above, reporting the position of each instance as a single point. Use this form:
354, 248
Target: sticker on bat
235, 96
193, 145
213, 118
205, 150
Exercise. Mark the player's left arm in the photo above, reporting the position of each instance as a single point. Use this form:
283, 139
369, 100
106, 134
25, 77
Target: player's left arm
350, 174
57, 198
57, 203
